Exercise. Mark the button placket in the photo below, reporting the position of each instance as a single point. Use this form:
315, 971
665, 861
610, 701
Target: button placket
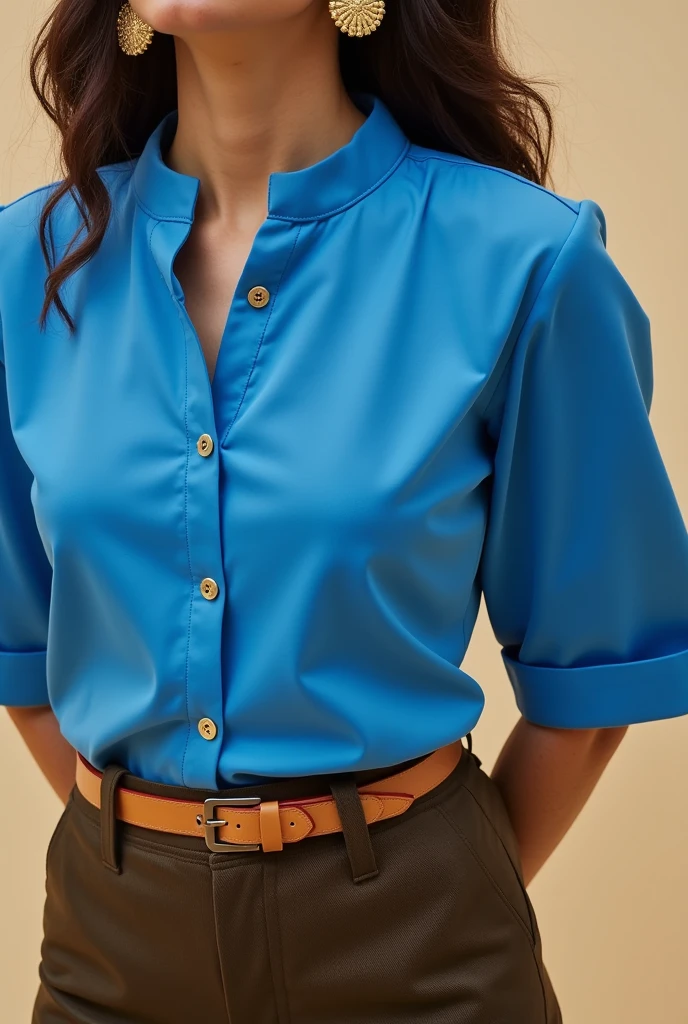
204, 686
204, 697
240, 359
200, 674
204, 689
217, 403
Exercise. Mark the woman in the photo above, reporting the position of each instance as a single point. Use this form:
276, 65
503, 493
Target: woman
316, 361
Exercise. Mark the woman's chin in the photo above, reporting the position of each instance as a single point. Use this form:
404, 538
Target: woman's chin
180, 17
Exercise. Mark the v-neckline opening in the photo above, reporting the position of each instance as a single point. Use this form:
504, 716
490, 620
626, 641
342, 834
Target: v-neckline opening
180, 298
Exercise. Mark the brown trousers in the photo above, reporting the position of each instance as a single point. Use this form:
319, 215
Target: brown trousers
419, 919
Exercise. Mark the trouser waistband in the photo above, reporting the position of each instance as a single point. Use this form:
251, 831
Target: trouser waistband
343, 787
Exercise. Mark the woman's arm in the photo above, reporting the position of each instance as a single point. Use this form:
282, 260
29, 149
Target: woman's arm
54, 756
545, 776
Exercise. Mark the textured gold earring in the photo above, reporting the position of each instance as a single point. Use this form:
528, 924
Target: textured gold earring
357, 17
134, 34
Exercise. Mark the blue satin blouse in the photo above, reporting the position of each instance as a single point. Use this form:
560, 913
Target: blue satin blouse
434, 383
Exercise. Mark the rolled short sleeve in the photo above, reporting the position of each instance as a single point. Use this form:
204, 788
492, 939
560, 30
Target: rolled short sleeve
25, 577
584, 568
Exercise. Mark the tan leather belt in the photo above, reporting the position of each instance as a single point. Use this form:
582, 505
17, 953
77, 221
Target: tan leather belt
250, 823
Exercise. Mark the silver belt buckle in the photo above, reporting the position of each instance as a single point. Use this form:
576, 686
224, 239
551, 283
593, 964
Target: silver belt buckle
210, 823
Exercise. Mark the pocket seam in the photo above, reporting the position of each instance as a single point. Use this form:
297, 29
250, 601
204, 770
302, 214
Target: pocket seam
488, 819
536, 940
59, 828
488, 874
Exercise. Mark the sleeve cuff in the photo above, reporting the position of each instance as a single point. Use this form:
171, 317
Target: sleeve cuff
596, 696
23, 679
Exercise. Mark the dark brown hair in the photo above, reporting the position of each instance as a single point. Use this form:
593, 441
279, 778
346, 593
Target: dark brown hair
437, 64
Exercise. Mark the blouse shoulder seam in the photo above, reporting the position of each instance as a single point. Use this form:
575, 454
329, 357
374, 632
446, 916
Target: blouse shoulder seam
529, 312
27, 195
110, 168
451, 158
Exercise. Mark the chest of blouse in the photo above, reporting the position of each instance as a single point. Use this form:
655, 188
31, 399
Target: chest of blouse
346, 403
296, 551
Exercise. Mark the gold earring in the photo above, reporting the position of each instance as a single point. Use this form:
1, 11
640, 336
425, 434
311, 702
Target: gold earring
134, 34
357, 17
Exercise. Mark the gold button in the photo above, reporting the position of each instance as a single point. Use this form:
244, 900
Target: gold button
205, 444
259, 296
209, 588
207, 729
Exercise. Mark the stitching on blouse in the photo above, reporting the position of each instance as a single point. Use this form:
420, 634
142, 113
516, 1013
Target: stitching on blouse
548, 275
157, 216
160, 218
464, 162
475, 165
33, 192
188, 549
260, 342
290, 217
352, 202
186, 512
54, 184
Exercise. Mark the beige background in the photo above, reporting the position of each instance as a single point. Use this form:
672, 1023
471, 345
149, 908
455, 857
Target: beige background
613, 900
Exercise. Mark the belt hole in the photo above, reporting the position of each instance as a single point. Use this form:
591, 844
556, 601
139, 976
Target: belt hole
199, 819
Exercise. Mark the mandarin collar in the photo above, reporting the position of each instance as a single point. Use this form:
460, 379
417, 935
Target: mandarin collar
320, 190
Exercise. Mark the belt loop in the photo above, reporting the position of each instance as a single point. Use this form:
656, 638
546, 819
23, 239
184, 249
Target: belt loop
108, 819
354, 826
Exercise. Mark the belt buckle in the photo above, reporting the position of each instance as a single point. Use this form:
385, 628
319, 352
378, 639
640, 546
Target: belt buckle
210, 823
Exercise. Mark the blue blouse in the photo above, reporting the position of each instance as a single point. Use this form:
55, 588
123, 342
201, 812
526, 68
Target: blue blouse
433, 384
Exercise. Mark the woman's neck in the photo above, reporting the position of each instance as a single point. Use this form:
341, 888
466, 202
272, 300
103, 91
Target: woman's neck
255, 102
